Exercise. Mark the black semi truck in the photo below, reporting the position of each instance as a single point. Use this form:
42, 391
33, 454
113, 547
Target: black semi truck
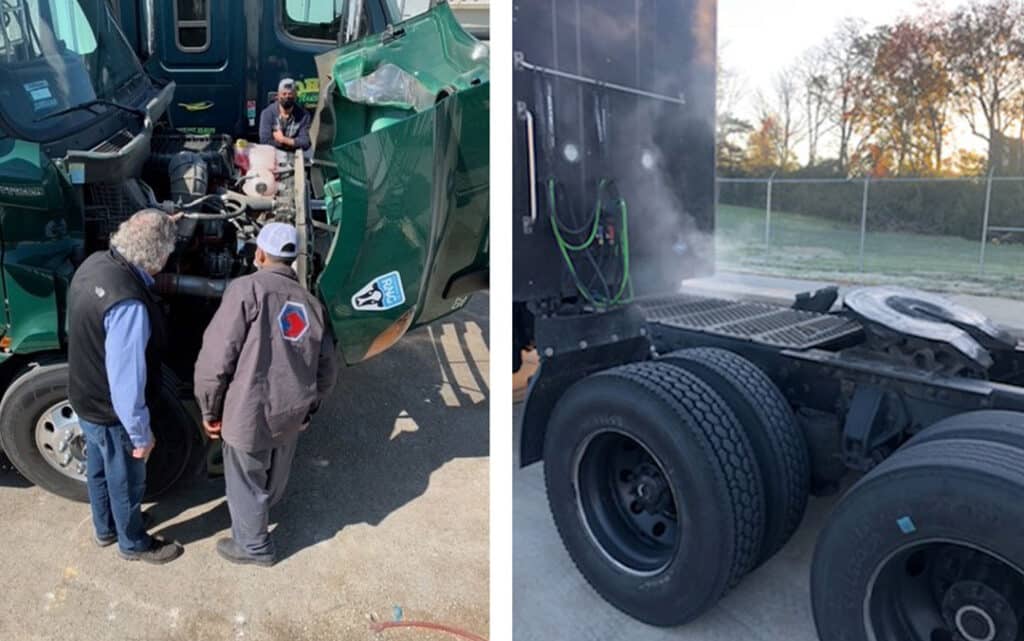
681, 435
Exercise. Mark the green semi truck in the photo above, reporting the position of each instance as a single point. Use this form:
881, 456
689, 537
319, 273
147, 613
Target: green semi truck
392, 206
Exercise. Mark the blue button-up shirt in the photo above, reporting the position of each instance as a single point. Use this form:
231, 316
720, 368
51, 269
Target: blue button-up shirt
127, 327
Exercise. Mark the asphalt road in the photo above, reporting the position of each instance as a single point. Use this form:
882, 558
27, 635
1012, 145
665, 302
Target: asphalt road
553, 601
386, 517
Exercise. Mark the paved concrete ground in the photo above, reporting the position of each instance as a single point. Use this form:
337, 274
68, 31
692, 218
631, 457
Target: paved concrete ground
553, 601
387, 506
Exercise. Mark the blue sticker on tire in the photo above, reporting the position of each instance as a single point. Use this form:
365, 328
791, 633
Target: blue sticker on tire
906, 525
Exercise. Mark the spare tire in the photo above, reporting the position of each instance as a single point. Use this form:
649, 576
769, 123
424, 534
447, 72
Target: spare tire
926, 547
654, 490
767, 419
40, 434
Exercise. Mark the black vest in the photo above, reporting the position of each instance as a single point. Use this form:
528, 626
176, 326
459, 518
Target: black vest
102, 281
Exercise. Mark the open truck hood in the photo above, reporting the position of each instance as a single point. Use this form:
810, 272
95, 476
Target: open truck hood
402, 157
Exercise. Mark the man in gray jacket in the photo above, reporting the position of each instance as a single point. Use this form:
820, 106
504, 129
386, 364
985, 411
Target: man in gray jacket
266, 363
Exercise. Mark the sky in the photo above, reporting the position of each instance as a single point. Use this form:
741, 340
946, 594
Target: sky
757, 38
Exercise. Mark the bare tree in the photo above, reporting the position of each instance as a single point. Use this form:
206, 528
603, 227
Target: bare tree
817, 98
730, 130
782, 106
848, 60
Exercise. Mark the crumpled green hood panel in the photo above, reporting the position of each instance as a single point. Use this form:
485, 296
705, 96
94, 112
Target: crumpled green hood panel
409, 187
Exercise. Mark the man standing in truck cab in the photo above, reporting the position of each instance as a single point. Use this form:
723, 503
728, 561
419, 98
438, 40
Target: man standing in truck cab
116, 337
266, 364
285, 123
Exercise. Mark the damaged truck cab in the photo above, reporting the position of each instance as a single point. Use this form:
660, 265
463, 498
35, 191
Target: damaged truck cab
392, 211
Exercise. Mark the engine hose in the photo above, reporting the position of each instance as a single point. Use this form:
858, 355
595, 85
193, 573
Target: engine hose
255, 203
426, 625
233, 204
228, 215
186, 285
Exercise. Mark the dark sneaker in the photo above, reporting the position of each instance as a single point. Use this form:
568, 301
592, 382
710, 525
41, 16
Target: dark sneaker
226, 548
104, 541
159, 553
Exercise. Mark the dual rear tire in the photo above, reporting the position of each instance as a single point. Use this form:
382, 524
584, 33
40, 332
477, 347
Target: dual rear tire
670, 480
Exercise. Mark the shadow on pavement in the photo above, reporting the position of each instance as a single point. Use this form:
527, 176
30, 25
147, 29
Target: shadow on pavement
391, 422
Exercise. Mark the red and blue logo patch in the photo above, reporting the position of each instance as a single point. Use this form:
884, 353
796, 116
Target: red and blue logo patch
293, 321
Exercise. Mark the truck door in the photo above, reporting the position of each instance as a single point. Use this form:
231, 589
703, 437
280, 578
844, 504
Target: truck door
193, 41
299, 30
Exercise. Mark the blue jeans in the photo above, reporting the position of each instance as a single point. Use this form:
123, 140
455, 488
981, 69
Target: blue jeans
117, 482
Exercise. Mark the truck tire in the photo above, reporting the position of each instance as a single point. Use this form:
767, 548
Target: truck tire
654, 490
35, 413
926, 547
997, 426
779, 445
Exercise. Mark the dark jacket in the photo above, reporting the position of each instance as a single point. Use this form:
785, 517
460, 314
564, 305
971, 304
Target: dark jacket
102, 281
297, 127
267, 359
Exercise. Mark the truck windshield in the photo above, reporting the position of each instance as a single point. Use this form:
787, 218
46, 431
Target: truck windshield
56, 55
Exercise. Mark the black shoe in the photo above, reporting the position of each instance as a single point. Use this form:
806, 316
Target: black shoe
147, 522
159, 553
104, 541
226, 548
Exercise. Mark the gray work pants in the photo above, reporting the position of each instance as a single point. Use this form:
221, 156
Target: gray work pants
255, 481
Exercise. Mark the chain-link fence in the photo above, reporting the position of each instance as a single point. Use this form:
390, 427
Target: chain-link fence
953, 234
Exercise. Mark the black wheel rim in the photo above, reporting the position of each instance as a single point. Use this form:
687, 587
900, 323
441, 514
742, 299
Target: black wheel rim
945, 591
626, 503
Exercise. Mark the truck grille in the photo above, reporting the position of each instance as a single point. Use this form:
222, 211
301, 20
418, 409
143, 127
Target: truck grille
115, 143
756, 322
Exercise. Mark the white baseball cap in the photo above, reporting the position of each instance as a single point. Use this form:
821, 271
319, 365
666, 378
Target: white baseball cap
279, 239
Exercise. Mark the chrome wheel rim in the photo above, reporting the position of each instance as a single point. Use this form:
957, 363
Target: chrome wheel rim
61, 441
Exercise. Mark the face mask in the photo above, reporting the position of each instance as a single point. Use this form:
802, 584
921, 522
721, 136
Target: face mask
288, 103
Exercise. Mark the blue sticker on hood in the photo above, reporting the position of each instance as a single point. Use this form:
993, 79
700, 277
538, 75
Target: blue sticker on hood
382, 293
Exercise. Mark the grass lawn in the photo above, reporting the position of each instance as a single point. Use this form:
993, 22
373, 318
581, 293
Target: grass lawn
808, 247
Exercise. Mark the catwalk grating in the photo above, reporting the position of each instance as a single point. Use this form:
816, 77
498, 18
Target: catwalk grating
757, 322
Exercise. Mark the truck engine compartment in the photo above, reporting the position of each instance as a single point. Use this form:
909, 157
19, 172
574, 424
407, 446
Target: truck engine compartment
221, 210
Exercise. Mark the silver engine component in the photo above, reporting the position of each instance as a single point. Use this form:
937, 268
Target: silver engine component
188, 176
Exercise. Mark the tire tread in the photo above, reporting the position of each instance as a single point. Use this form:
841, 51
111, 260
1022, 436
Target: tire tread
788, 472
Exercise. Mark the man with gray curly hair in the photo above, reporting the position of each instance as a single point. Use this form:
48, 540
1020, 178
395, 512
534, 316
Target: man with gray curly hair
116, 334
